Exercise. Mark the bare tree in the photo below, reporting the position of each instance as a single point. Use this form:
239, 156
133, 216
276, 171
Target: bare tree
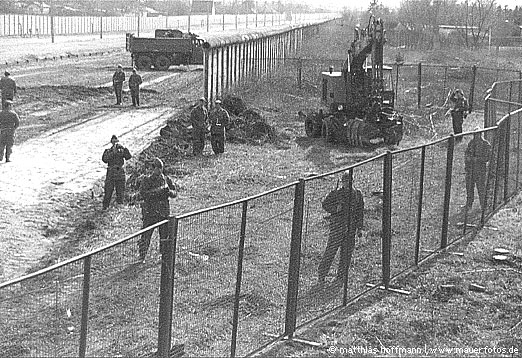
477, 16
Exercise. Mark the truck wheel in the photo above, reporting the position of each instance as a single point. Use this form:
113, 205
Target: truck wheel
144, 62
162, 63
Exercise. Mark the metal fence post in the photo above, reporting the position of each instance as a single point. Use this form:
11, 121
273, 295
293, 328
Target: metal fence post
419, 84
489, 175
295, 260
168, 259
447, 192
206, 75
472, 88
386, 218
507, 142
419, 204
239, 277
85, 305
349, 223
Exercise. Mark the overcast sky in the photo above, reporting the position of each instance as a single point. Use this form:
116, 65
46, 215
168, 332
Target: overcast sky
358, 4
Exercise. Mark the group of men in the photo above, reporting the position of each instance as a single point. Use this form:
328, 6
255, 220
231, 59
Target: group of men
135, 81
214, 122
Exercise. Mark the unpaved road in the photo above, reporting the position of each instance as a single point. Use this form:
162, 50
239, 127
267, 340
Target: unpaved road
67, 119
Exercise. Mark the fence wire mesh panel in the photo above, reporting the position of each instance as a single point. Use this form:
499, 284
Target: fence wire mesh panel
433, 198
123, 304
514, 153
262, 300
40, 316
405, 198
204, 281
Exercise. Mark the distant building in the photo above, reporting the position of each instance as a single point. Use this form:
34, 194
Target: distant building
203, 7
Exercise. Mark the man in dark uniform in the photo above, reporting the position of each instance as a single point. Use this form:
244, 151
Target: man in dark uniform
155, 190
134, 85
219, 119
115, 158
198, 119
458, 112
343, 228
9, 122
476, 158
117, 82
8, 87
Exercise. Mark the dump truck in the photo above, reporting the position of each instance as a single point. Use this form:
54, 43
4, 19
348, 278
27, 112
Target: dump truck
359, 99
167, 48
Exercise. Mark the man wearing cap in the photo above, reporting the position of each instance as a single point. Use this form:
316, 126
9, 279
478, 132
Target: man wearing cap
134, 85
8, 87
9, 122
117, 82
458, 112
115, 158
476, 158
155, 190
219, 119
198, 119
346, 208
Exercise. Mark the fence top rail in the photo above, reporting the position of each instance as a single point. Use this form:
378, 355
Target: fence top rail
506, 116
235, 202
79, 257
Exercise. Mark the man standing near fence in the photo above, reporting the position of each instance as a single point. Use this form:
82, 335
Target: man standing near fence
155, 190
476, 158
219, 119
134, 86
346, 208
198, 119
8, 87
459, 111
9, 122
115, 157
117, 83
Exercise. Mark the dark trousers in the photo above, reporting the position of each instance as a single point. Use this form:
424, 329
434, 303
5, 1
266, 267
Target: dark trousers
115, 179
338, 238
198, 142
117, 90
135, 94
6, 143
218, 143
475, 176
144, 240
457, 120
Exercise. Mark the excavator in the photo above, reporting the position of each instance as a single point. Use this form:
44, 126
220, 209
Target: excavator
359, 98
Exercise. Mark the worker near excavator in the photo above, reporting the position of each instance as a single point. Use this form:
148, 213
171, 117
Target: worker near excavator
198, 119
135, 81
117, 83
459, 111
476, 158
155, 190
219, 119
346, 208
8, 88
115, 157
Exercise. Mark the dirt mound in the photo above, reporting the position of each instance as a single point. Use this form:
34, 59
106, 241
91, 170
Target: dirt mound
234, 105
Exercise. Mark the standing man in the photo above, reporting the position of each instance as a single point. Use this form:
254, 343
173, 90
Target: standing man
458, 112
340, 203
8, 87
134, 85
117, 82
155, 190
219, 119
476, 158
9, 122
115, 158
198, 119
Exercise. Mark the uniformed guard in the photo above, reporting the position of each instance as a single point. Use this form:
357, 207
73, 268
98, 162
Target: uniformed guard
9, 122
115, 158
339, 202
117, 82
198, 119
134, 86
155, 190
459, 111
8, 87
219, 119
476, 158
